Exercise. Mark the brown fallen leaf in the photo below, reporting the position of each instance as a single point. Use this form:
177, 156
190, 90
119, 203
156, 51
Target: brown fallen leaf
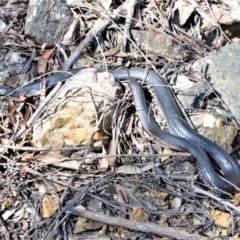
43, 60
27, 157
28, 114
11, 106
158, 194
163, 221
132, 54
56, 159
49, 205
211, 234
154, 3
221, 218
138, 214
166, 151
109, 52
236, 200
83, 224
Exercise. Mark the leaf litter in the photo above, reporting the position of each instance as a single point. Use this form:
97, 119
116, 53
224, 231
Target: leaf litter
129, 182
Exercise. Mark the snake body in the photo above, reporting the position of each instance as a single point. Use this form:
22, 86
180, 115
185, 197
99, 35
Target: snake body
185, 139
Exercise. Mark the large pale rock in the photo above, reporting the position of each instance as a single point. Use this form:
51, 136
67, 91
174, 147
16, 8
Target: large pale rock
47, 20
71, 117
223, 74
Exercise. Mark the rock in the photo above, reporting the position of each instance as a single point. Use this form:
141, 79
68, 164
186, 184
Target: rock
157, 44
71, 117
47, 20
191, 94
12, 64
227, 17
3, 25
223, 74
212, 128
183, 10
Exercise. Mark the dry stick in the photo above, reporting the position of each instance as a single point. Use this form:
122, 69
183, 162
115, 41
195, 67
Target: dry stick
126, 34
64, 159
99, 26
149, 228
220, 200
4, 229
37, 112
34, 149
27, 66
92, 34
174, 36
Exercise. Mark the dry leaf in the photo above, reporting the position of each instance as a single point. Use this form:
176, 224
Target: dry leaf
183, 83
166, 151
11, 106
196, 221
27, 156
130, 54
236, 200
43, 60
236, 237
103, 165
138, 214
105, 3
109, 52
185, 10
163, 220
28, 114
56, 159
72, 33
84, 224
221, 218
130, 126
211, 234
132, 169
154, 3
81, 223
45, 186
49, 205
157, 194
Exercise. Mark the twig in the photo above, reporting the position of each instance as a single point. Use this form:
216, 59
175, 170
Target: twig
220, 200
34, 149
136, 226
126, 35
99, 26
120, 155
28, 65
4, 230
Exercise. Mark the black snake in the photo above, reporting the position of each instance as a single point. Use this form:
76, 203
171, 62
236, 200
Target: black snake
185, 139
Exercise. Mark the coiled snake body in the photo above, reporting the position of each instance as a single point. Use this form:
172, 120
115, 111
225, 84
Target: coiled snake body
186, 139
